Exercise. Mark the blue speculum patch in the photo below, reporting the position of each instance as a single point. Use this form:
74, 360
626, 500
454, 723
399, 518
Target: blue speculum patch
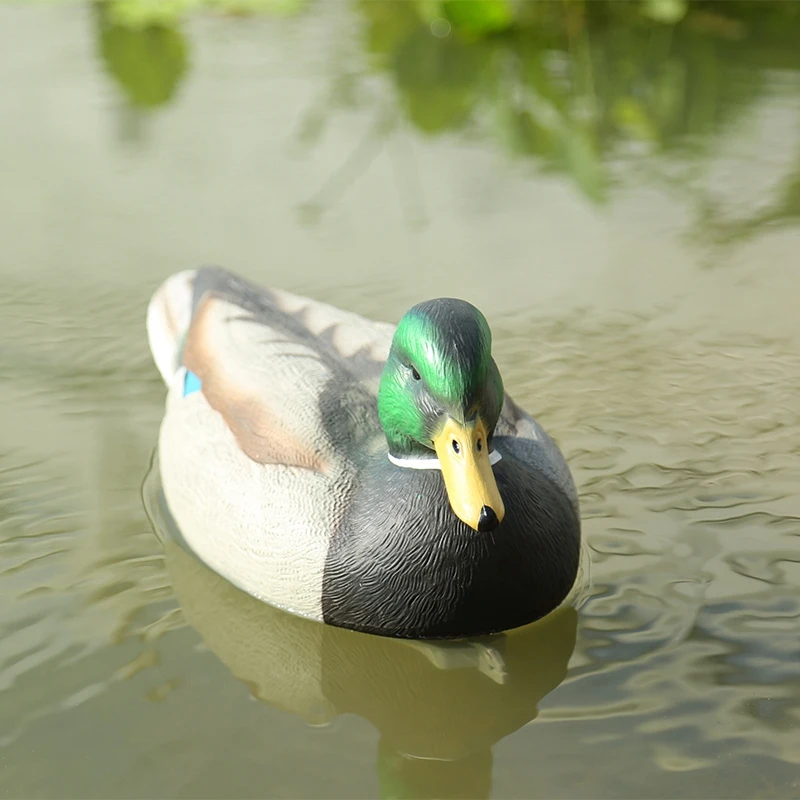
191, 383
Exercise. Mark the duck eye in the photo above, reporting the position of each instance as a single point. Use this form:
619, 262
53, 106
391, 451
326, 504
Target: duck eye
479, 445
415, 374
456, 448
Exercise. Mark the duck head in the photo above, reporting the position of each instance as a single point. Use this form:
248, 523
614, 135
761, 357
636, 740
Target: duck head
439, 401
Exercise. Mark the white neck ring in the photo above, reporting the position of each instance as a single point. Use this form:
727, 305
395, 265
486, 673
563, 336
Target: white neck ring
432, 462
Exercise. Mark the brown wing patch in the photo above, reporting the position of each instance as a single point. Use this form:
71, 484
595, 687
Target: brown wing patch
259, 432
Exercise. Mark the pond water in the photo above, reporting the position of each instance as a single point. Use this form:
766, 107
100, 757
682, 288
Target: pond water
616, 187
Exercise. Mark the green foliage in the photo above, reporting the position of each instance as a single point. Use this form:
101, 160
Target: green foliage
568, 83
143, 13
667, 11
146, 60
565, 84
478, 16
439, 80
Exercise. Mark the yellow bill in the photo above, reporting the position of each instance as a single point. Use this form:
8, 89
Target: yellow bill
463, 453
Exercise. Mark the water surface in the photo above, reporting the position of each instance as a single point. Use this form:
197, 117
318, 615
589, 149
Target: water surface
618, 194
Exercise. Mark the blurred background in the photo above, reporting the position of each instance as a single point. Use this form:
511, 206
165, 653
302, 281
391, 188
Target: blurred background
615, 184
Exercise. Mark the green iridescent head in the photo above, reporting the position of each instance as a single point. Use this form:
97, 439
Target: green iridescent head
441, 391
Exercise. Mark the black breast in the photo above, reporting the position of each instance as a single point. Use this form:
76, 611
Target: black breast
402, 564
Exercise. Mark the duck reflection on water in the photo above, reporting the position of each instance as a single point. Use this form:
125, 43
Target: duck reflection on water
439, 707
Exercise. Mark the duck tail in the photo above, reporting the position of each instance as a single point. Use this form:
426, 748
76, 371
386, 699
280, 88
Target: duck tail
168, 317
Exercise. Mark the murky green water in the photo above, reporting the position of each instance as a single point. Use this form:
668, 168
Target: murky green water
619, 194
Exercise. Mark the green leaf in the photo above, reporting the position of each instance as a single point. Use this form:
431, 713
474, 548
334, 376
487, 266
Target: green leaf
147, 63
439, 79
667, 11
479, 16
282, 8
141, 14
428, 10
389, 24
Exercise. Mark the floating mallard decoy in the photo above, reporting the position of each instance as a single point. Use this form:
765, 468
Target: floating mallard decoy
368, 476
